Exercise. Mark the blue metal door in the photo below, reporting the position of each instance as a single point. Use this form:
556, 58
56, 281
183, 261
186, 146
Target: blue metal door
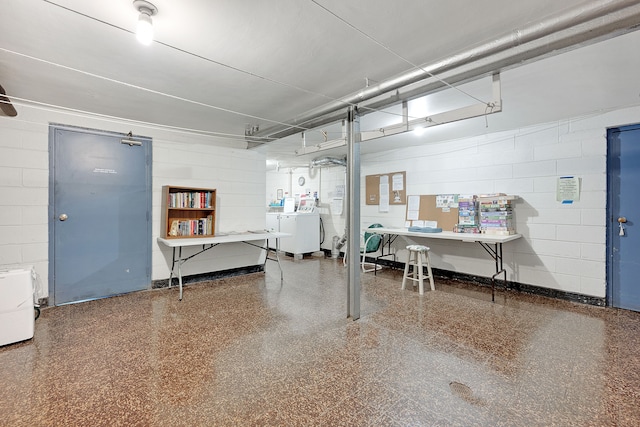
100, 222
623, 246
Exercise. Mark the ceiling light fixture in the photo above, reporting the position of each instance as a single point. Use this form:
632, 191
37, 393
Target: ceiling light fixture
144, 31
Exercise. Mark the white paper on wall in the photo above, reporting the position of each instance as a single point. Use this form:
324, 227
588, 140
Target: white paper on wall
398, 182
337, 205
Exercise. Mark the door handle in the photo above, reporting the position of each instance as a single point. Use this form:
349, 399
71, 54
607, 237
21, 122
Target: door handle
63, 217
621, 220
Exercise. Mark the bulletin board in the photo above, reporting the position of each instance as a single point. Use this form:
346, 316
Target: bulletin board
447, 217
397, 196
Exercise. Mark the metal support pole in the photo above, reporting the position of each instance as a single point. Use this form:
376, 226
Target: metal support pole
353, 213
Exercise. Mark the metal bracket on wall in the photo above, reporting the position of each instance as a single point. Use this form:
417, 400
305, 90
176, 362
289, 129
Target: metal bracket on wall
463, 113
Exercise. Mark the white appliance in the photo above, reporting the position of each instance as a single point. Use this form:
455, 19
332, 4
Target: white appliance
16, 306
304, 228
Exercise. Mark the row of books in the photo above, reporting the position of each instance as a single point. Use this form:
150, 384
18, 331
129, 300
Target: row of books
467, 211
488, 215
191, 199
192, 227
496, 215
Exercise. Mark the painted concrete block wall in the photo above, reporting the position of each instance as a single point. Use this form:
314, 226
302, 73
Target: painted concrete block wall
24, 182
563, 246
178, 159
323, 180
237, 175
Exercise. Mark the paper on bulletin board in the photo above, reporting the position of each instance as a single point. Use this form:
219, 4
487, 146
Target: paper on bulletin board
568, 189
383, 200
398, 182
383, 205
413, 207
447, 201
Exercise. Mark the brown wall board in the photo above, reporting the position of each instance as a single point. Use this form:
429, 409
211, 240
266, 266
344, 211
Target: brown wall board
447, 218
372, 188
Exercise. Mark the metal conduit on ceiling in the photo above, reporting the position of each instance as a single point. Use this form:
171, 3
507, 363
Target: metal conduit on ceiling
571, 29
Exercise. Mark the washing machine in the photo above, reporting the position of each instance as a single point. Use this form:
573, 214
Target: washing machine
304, 228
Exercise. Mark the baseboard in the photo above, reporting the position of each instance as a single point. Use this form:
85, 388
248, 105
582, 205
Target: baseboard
202, 277
194, 278
510, 285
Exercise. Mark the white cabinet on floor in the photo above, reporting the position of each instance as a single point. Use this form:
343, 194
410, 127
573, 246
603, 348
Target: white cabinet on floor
303, 227
16, 306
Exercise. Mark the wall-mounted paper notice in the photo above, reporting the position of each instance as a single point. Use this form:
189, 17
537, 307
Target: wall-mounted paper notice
413, 208
447, 201
568, 189
413, 203
383, 202
398, 182
336, 205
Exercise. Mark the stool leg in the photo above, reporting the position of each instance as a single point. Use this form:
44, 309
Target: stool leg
420, 273
414, 264
433, 288
406, 271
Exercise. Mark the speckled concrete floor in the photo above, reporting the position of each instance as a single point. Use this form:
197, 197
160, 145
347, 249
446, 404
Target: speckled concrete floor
248, 351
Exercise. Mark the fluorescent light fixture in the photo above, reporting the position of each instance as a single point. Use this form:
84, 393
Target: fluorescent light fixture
144, 30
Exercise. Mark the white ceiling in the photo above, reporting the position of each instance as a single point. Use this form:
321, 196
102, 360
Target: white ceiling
218, 66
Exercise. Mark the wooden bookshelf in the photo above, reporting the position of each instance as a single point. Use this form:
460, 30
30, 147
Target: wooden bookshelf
188, 212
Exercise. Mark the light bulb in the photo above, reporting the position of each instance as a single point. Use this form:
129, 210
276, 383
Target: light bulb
419, 130
144, 31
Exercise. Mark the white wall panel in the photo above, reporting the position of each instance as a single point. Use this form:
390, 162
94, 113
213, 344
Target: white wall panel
593, 251
583, 234
10, 254
178, 159
592, 217
19, 158
564, 246
10, 177
591, 286
11, 215
580, 165
594, 146
35, 178
537, 168
557, 151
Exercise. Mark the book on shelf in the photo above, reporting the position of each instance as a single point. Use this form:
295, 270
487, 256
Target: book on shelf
192, 227
191, 199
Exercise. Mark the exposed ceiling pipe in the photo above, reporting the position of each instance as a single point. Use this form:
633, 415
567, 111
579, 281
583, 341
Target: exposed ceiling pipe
328, 161
573, 28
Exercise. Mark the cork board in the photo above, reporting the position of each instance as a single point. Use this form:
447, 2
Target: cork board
372, 188
447, 218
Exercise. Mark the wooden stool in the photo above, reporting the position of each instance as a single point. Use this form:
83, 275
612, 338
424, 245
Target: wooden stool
415, 259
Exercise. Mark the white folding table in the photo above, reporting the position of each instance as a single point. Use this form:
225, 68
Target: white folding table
210, 242
489, 242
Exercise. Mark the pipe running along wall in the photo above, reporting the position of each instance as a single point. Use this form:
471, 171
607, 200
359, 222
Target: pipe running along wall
571, 29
